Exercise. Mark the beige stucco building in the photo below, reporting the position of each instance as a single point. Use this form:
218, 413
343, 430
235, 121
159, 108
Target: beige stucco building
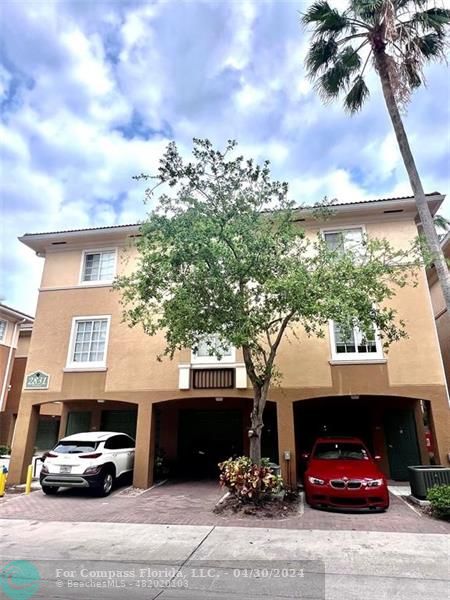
440, 311
98, 373
15, 333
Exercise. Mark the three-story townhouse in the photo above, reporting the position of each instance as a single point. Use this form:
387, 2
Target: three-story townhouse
194, 410
440, 311
15, 332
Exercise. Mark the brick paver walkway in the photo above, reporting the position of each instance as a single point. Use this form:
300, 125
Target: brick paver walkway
191, 503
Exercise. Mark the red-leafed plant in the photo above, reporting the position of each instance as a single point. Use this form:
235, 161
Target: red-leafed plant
247, 481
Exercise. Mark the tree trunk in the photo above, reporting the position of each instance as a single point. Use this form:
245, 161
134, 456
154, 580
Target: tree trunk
423, 209
256, 422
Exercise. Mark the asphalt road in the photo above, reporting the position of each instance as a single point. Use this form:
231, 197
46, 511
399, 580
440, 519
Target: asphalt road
65, 560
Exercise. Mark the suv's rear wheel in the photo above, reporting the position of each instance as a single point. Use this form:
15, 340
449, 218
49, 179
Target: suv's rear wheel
106, 482
49, 490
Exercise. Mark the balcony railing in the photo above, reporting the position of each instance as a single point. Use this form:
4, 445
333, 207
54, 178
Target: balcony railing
204, 379
212, 376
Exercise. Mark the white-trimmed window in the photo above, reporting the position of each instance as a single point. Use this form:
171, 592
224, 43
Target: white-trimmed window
3, 326
340, 240
207, 348
353, 344
88, 342
98, 266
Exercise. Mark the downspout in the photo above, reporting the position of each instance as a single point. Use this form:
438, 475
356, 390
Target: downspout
7, 378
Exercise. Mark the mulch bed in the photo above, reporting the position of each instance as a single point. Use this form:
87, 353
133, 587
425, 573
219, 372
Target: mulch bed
267, 508
426, 511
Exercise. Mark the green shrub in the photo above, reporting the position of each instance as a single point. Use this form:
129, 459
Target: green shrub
247, 481
5, 450
439, 497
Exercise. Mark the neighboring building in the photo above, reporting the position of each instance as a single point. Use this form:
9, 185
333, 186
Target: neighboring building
15, 332
194, 410
441, 315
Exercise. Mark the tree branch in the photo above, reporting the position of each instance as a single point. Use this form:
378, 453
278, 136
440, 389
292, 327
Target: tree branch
273, 350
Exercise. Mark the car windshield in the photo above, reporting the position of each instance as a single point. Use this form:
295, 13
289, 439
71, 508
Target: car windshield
75, 447
340, 451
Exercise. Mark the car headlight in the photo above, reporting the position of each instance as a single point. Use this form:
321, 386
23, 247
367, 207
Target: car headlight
316, 481
374, 482
44, 469
91, 470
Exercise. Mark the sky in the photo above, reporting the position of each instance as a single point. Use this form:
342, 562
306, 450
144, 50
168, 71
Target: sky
91, 92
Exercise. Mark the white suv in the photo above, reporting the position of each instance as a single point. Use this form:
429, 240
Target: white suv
88, 460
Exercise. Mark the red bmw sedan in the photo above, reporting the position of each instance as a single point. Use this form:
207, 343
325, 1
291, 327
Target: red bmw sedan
342, 474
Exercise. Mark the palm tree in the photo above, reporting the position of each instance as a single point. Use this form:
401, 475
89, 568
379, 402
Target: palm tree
397, 38
440, 222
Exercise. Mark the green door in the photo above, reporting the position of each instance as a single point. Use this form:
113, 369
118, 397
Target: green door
47, 433
78, 422
401, 440
122, 421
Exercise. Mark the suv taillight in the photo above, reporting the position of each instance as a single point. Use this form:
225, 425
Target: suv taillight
94, 455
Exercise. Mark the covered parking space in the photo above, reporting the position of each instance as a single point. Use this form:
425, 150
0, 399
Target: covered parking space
58, 419
193, 435
41, 423
189, 435
395, 428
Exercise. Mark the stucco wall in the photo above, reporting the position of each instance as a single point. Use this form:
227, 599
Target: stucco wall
4, 353
132, 356
16, 382
23, 344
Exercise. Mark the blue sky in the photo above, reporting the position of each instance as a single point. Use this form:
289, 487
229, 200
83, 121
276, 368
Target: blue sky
91, 92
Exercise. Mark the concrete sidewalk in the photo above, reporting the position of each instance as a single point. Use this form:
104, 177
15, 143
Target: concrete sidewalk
114, 560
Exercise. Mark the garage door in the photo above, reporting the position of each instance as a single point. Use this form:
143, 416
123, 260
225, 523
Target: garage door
206, 437
122, 421
78, 422
47, 434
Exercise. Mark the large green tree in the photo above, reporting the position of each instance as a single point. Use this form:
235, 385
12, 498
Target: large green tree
222, 254
398, 38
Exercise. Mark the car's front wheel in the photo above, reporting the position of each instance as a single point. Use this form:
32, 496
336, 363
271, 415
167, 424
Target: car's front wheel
106, 482
50, 490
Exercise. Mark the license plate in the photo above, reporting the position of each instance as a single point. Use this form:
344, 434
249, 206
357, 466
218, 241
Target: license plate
65, 469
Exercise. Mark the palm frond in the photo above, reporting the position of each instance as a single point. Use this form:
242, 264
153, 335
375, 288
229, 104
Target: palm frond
367, 10
321, 53
350, 58
431, 45
412, 72
407, 3
434, 18
441, 222
325, 18
357, 95
408, 32
337, 77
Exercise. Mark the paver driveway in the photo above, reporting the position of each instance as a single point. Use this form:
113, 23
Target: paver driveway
191, 503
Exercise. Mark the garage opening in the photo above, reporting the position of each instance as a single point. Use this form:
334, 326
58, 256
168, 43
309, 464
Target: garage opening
392, 428
330, 417
207, 437
193, 436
